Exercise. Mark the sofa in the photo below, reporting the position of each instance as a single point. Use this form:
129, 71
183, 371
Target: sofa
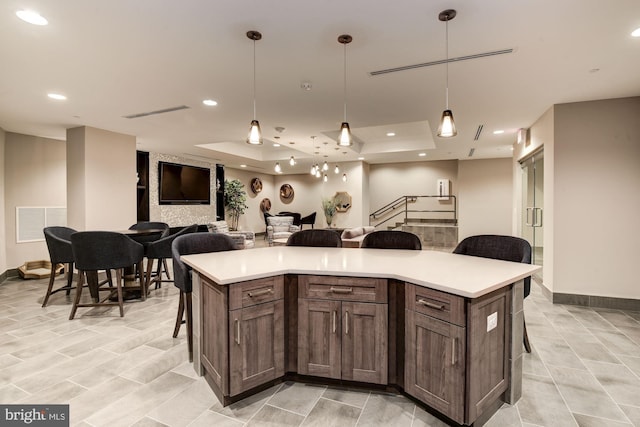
242, 239
280, 227
353, 237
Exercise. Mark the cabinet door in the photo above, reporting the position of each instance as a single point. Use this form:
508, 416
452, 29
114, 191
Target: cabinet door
434, 363
256, 345
364, 342
214, 337
319, 341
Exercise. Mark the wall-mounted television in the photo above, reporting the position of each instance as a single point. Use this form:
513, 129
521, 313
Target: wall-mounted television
183, 184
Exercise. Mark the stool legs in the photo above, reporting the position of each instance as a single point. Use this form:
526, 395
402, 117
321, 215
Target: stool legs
185, 305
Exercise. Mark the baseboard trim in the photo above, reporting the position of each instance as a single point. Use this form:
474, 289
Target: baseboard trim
597, 301
9, 274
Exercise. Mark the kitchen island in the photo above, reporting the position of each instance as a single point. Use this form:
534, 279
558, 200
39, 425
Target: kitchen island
442, 328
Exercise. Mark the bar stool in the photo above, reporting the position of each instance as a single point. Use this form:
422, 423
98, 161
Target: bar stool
161, 250
104, 250
59, 244
195, 243
315, 238
391, 239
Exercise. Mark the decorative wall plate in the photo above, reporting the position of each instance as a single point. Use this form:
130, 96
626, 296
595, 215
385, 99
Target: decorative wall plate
343, 201
286, 193
265, 205
256, 185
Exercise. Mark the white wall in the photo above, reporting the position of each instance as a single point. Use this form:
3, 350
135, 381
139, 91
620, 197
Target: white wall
252, 219
597, 203
34, 175
179, 215
485, 197
3, 231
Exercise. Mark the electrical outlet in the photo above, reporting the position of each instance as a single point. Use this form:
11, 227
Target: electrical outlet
492, 321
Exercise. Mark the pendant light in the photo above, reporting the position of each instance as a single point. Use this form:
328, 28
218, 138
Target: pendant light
344, 177
345, 139
447, 126
325, 166
292, 161
277, 168
325, 179
336, 169
255, 134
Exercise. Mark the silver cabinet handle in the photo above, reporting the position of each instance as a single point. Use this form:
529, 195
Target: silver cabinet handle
260, 293
334, 321
237, 331
341, 290
431, 305
453, 352
346, 322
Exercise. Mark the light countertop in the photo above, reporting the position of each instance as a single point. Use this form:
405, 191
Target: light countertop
462, 275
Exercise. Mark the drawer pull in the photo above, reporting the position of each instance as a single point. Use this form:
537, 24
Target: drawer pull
453, 352
341, 290
260, 293
237, 331
431, 305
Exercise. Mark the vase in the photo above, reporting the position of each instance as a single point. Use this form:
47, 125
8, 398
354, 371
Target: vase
329, 219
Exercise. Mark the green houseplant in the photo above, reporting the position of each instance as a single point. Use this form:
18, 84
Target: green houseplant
329, 209
234, 201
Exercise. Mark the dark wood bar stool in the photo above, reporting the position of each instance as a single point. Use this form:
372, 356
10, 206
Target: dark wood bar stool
391, 239
60, 252
315, 238
161, 250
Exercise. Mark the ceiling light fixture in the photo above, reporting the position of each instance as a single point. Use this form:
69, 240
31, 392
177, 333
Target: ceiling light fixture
326, 178
325, 166
636, 33
210, 102
447, 126
57, 96
32, 17
255, 134
277, 168
345, 139
391, 134
498, 132
292, 161
344, 177
336, 169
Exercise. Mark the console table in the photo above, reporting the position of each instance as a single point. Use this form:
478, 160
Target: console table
443, 328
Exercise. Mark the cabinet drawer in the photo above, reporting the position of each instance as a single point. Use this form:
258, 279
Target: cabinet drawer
246, 294
440, 305
343, 288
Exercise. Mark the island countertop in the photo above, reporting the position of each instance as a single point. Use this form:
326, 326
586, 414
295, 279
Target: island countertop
462, 275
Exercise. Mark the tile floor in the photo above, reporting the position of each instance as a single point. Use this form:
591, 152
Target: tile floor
584, 370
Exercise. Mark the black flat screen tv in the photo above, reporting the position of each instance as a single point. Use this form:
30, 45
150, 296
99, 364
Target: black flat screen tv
183, 184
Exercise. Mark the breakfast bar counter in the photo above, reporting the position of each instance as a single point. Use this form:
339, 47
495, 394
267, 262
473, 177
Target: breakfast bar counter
442, 328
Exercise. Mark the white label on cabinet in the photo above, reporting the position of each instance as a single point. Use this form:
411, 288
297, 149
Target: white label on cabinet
492, 321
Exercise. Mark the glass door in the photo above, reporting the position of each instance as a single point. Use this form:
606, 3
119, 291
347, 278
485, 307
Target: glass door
533, 205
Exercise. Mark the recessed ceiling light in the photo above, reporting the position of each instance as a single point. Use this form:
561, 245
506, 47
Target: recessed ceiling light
276, 144
636, 33
32, 17
422, 154
360, 158
210, 102
391, 134
243, 166
498, 132
56, 96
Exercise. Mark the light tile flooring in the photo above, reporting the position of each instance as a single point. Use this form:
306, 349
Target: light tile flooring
584, 370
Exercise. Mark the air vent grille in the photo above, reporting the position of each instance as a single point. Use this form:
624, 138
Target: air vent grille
478, 132
473, 150
151, 113
441, 61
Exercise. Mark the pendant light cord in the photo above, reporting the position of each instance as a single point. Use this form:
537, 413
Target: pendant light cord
254, 79
447, 62
345, 82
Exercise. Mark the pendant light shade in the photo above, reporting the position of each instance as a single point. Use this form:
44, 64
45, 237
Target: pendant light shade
292, 161
313, 170
336, 169
345, 139
326, 178
278, 169
325, 166
344, 177
447, 127
255, 134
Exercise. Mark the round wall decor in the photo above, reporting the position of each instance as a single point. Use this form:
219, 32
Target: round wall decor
256, 185
286, 193
265, 205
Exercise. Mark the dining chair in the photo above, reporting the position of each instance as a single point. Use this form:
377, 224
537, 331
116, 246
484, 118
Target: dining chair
507, 248
391, 239
309, 219
189, 244
94, 251
160, 250
145, 239
316, 238
60, 252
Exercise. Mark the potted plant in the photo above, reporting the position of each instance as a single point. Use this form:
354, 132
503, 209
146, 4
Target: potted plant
234, 201
329, 209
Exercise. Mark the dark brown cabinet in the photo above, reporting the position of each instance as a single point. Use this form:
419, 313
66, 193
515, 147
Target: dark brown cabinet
342, 328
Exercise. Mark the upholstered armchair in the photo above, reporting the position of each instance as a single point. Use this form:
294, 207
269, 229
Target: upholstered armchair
280, 227
242, 239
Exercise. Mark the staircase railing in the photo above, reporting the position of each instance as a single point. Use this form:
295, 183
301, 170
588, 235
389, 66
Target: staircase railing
400, 207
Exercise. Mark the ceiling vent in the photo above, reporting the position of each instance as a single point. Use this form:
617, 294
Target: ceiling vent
473, 150
441, 61
478, 132
151, 113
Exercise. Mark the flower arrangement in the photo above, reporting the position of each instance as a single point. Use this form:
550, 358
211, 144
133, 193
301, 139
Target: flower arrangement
329, 209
